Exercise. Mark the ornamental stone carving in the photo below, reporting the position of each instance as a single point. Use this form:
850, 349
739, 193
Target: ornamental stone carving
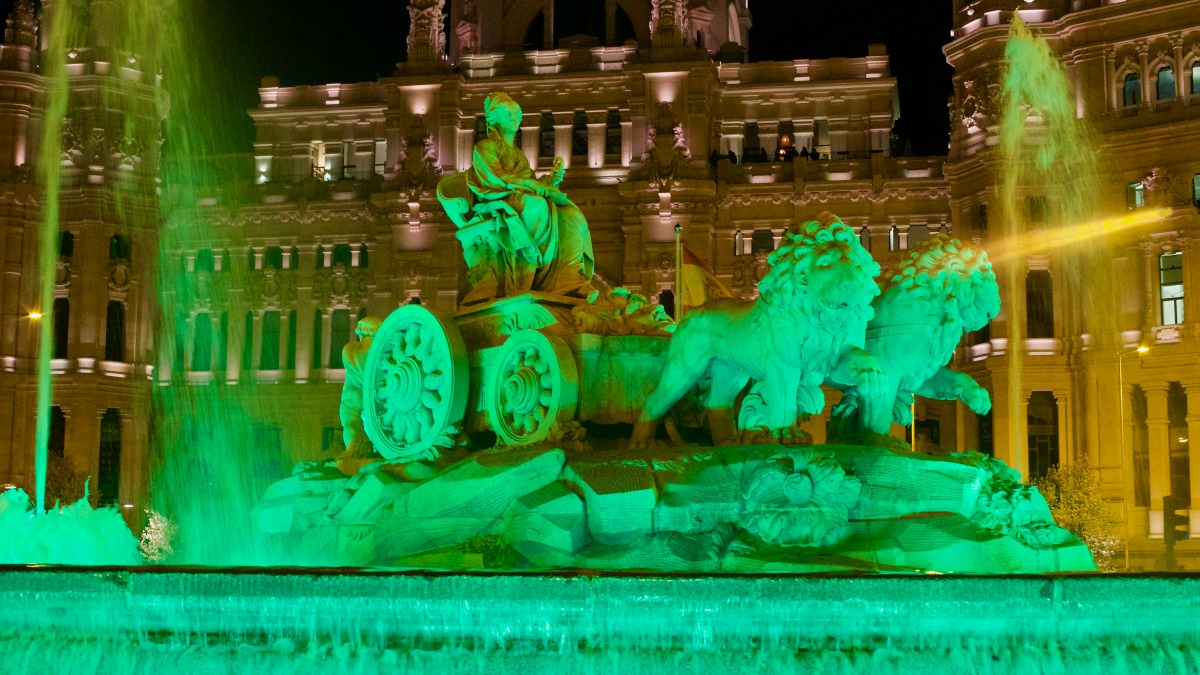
418, 170
426, 41
666, 149
272, 288
118, 276
62, 273
340, 286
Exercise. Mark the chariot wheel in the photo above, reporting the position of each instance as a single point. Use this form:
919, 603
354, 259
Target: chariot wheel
414, 384
535, 386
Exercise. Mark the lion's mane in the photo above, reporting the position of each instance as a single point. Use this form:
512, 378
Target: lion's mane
938, 268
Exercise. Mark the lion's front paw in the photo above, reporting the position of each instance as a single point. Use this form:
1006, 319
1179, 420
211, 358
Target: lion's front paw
792, 435
976, 398
868, 375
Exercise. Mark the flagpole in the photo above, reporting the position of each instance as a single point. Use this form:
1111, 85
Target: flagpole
678, 272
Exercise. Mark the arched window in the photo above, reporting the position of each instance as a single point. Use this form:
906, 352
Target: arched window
57, 445
1132, 93
572, 17
1039, 304
62, 327
273, 258
114, 332
205, 262
612, 133
108, 481
1196, 76
118, 248
342, 255
667, 300
1166, 84
268, 355
339, 336
1043, 433
546, 136
864, 237
579, 135
66, 244
202, 343
535, 35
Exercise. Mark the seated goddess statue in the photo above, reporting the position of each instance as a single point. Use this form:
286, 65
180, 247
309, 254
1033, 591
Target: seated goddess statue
519, 232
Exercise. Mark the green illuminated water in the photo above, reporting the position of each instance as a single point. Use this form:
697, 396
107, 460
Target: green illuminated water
1049, 195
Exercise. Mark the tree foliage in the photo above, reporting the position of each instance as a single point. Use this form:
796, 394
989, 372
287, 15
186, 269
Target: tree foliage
1075, 499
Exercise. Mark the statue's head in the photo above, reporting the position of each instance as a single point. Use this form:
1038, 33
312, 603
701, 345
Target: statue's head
943, 267
821, 269
502, 112
367, 327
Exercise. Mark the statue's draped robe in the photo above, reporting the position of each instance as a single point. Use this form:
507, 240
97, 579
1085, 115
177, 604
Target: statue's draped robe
545, 238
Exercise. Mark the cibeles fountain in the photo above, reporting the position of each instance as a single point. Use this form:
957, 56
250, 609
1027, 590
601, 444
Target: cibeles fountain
539, 355
559, 477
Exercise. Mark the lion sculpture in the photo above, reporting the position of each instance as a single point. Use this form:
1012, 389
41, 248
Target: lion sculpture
807, 327
943, 289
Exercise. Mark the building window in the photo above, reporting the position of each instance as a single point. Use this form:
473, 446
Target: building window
1135, 196
362, 255
248, 343
893, 238
612, 133
181, 336
1039, 304
985, 426
1196, 77
108, 481
1196, 190
1043, 433
1132, 92
752, 143
666, 299
118, 248
342, 255
1166, 84
579, 135
821, 139
339, 336
291, 343
762, 240
1037, 209
202, 343
864, 238
273, 258
56, 446
785, 143
981, 217
318, 322
205, 261
1170, 287
546, 136
380, 157
268, 354
223, 342
62, 327
66, 244
917, 234
114, 332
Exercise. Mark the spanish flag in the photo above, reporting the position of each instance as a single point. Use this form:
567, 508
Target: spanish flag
697, 283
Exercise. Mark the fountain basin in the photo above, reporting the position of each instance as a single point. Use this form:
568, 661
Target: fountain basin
115, 620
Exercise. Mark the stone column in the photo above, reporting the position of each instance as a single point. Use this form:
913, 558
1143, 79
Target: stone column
597, 131
326, 337
529, 145
1193, 424
1177, 45
1160, 454
1066, 428
237, 333
1151, 317
1128, 429
563, 136
1144, 62
214, 345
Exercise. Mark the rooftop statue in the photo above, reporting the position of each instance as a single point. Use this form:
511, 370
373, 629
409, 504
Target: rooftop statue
943, 289
519, 232
807, 327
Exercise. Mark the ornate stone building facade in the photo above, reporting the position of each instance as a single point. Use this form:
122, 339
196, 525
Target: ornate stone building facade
662, 122
1082, 391
104, 295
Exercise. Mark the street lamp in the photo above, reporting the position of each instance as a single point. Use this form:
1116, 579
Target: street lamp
1121, 353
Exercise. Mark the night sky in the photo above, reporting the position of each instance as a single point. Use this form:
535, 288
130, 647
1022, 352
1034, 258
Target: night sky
318, 41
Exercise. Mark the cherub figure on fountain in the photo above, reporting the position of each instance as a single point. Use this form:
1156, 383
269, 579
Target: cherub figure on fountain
354, 359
